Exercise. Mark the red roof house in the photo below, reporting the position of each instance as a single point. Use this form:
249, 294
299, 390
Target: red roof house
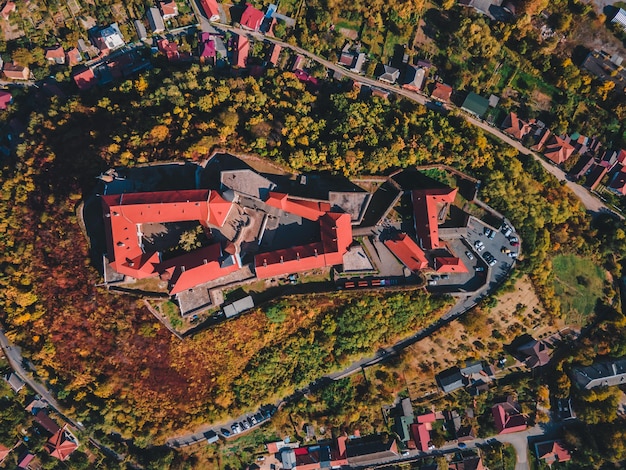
421, 436
618, 185
241, 50
274, 56
251, 18
46, 422
25, 460
55, 55
170, 49
16, 72
515, 127
5, 99
206, 46
73, 57
211, 9
449, 264
169, 9
62, 444
558, 150
442, 92
124, 214
429, 207
407, 251
85, 79
7, 9
508, 418
4, 453
310, 210
551, 452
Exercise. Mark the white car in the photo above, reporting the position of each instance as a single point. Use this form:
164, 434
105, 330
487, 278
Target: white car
469, 255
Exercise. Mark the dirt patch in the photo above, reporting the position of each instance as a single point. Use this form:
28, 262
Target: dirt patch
349, 33
540, 101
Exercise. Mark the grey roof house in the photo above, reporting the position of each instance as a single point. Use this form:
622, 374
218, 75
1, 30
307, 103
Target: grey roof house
601, 374
450, 380
389, 74
475, 104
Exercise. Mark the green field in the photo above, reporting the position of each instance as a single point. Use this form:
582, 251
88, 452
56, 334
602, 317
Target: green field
578, 284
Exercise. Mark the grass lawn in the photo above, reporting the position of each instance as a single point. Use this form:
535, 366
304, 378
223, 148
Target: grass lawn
578, 284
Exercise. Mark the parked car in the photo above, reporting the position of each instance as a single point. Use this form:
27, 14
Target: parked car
432, 283
445, 276
491, 235
487, 231
505, 250
244, 424
435, 277
480, 246
225, 432
493, 262
479, 269
469, 255
513, 254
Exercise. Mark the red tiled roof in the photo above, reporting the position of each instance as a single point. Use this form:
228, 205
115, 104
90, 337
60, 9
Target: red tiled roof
60, 445
46, 422
310, 210
210, 8
515, 127
16, 72
275, 54
85, 79
251, 18
4, 452
242, 49
558, 150
169, 9
507, 418
123, 213
449, 264
8, 8
73, 56
553, 451
5, 99
291, 260
407, 251
442, 92
170, 49
195, 268
25, 461
427, 418
427, 205
55, 53
421, 436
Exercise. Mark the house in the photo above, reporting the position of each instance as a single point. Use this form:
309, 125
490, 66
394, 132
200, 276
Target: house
407, 251
142, 34
169, 9
475, 104
298, 63
595, 175
403, 422
358, 65
239, 306
465, 433
157, 25
618, 183
601, 374
85, 79
380, 93
389, 74
56, 55
552, 452
508, 417
8, 8
251, 18
450, 380
45, 422
241, 49
170, 49
275, 54
535, 353
4, 453
430, 208
347, 59
211, 9
5, 99
107, 39
449, 264
442, 92
613, 157
620, 18
206, 46
370, 449
414, 78
73, 57
25, 460
14, 382
62, 444
557, 149
582, 166
515, 127
325, 454
420, 435
16, 72
467, 462
211, 437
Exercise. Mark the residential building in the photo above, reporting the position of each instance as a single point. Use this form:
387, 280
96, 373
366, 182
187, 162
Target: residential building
369, 449
56, 55
239, 306
347, 59
325, 454
508, 417
251, 18
450, 380
407, 251
206, 46
241, 50
107, 39
449, 264
389, 74
618, 183
414, 78
169, 9
467, 462
552, 452
62, 444
442, 92
430, 208
211, 9
620, 18
170, 49
535, 353
46, 422
557, 149
157, 25
516, 127
601, 374
14, 382
73, 57
85, 79
8, 8
360, 62
475, 104
5, 99
595, 175
25, 460
582, 167
4, 453
16, 72
420, 432
142, 34
298, 62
